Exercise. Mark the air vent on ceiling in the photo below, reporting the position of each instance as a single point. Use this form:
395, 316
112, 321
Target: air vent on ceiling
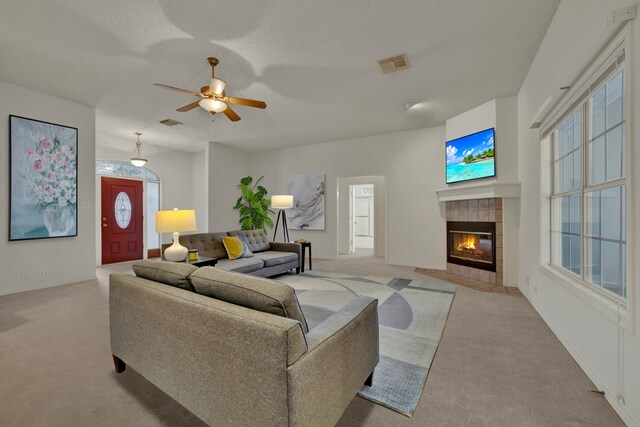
394, 63
170, 122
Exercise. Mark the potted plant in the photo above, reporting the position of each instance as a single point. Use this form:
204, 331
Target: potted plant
252, 205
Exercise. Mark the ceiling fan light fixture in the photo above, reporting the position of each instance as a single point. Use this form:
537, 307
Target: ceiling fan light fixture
137, 159
213, 105
217, 86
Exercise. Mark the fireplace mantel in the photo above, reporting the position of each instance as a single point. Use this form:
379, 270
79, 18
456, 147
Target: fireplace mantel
483, 191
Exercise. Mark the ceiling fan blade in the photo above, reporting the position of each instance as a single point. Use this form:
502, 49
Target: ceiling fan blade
188, 107
231, 114
190, 92
247, 102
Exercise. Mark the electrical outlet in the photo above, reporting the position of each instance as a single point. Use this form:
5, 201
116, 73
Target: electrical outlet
45, 273
25, 275
535, 288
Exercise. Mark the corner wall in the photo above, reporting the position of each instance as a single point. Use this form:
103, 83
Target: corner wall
68, 259
607, 352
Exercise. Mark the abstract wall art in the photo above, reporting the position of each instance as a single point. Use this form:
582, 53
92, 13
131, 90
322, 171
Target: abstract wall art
308, 202
43, 179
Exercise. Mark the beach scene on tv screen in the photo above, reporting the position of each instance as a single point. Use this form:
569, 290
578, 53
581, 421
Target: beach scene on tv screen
471, 157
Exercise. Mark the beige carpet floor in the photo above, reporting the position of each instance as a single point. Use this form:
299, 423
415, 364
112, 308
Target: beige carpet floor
497, 365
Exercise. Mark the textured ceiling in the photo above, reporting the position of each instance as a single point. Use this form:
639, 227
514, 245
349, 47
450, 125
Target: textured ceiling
313, 62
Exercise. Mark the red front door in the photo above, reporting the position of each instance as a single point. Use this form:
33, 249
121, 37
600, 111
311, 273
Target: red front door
122, 220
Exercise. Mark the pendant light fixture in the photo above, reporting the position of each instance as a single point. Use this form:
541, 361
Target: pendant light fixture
137, 159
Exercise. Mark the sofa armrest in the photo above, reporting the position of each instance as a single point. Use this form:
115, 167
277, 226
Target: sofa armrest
288, 247
342, 352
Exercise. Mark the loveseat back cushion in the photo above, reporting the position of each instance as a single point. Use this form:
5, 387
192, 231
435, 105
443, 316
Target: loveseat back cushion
167, 272
253, 292
258, 239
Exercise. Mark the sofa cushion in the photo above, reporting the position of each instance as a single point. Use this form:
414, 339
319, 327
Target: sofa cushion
214, 248
258, 240
167, 272
276, 258
240, 265
237, 247
253, 292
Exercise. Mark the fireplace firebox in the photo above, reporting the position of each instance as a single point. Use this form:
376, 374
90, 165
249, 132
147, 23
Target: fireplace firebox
472, 244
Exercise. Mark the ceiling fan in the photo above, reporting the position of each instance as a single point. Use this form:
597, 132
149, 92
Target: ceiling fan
213, 98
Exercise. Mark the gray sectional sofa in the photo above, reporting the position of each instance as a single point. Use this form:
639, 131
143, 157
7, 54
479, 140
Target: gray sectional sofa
270, 258
236, 349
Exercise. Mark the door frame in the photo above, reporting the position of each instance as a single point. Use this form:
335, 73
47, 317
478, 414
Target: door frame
381, 203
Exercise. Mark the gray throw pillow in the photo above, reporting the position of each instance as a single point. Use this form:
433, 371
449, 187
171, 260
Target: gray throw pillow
253, 292
167, 272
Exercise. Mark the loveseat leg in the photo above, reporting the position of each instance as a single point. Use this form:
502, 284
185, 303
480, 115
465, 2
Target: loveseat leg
297, 270
369, 381
119, 364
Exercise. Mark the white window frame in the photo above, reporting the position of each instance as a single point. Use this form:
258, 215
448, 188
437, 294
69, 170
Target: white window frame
611, 305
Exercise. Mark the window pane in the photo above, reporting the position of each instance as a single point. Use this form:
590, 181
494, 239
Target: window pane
623, 291
598, 112
592, 199
614, 153
153, 204
593, 267
577, 128
564, 214
610, 215
614, 101
567, 172
575, 254
566, 252
574, 214
623, 191
122, 210
556, 248
597, 160
611, 267
577, 169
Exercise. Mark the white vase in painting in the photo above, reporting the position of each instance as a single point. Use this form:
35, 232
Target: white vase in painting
59, 221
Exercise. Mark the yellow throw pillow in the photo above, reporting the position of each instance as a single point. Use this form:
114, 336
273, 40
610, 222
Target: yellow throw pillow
236, 247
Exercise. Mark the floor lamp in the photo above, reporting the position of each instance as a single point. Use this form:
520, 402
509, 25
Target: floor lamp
282, 202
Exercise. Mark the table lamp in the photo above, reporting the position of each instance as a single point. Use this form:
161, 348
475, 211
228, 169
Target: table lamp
282, 202
173, 222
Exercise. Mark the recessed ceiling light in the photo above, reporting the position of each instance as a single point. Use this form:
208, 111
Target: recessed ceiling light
416, 106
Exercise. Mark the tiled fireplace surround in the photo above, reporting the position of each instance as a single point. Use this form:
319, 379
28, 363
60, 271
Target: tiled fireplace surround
479, 210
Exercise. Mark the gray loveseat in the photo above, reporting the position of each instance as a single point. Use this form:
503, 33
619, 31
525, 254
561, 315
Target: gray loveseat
235, 349
270, 258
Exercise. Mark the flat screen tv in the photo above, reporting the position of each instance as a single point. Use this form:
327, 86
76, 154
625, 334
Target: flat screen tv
471, 157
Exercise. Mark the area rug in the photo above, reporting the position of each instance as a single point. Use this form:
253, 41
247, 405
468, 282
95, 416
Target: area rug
411, 313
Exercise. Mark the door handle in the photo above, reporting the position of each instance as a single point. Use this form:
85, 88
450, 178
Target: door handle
104, 225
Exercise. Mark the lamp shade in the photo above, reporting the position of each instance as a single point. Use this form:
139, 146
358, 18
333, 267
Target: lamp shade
282, 201
213, 105
175, 220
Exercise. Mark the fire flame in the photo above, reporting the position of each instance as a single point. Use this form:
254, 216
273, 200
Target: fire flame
468, 245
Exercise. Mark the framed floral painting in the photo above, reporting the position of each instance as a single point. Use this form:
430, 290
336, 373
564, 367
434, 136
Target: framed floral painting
43, 179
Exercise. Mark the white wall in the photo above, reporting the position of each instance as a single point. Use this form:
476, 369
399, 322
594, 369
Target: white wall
413, 164
226, 166
67, 259
588, 331
200, 191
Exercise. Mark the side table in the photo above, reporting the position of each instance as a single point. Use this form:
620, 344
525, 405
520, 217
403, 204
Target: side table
306, 244
203, 261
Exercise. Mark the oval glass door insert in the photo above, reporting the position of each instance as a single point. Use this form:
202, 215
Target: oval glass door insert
123, 210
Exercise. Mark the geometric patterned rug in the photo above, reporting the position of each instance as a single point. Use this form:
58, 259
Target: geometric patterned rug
411, 313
